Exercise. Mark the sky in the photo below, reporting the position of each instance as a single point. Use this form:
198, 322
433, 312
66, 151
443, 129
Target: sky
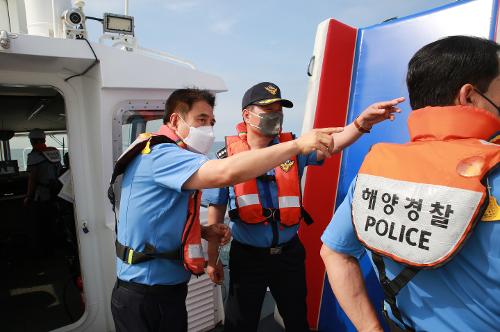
247, 42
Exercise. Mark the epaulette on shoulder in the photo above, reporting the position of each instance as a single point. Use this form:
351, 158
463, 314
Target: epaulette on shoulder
222, 153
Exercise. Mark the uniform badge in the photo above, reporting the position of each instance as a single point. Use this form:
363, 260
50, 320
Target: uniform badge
287, 165
271, 89
492, 212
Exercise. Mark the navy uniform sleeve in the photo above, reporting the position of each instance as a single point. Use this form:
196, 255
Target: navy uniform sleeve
339, 235
306, 160
215, 196
312, 159
172, 166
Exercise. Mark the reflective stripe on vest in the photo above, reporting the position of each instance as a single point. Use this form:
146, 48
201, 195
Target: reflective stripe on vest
246, 200
417, 203
287, 182
289, 202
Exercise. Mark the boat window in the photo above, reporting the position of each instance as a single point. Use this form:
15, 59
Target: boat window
20, 146
131, 119
138, 122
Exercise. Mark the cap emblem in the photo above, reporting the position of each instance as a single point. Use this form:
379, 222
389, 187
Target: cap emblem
271, 89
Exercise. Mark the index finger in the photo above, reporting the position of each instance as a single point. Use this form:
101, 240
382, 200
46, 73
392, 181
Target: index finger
389, 103
331, 130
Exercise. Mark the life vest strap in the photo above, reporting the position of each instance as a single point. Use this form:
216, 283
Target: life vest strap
393, 327
131, 256
392, 287
272, 215
267, 178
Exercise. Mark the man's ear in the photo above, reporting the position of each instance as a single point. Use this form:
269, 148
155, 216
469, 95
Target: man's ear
466, 95
245, 114
174, 120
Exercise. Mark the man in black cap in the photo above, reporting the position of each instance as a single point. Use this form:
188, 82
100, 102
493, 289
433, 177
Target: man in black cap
265, 214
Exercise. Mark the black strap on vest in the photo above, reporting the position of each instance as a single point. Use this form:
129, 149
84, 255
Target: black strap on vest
267, 178
273, 215
131, 256
392, 287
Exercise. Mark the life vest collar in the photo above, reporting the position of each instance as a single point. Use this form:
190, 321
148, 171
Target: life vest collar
40, 147
451, 122
167, 131
50, 153
241, 129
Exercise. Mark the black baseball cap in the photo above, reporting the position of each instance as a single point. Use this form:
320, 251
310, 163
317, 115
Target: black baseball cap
264, 93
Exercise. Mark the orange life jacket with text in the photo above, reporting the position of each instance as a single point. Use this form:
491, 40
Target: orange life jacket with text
190, 252
417, 203
287, 179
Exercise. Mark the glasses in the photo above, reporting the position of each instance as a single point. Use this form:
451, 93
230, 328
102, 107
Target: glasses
488, 99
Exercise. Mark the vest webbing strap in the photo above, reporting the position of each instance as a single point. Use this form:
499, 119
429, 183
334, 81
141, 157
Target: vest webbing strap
274, 215
392, 287
267, 178
130, 256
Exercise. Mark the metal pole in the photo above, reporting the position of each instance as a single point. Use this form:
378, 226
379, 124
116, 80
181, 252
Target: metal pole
6, 150
126, 7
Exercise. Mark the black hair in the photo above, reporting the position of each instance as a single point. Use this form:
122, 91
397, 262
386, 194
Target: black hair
181, 101
438, 70
37, 141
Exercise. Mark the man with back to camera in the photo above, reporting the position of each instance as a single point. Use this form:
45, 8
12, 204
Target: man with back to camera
43, 166
431, 204
158, 237
265, 213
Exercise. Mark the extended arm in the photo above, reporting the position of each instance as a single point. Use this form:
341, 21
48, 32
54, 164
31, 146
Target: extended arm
348, 285
250, 164
372, 115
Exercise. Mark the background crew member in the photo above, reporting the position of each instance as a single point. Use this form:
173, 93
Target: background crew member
43, 166
158, 189
266, 251
458, 77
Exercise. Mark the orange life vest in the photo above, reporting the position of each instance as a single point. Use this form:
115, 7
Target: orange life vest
190, 252
247, 199
418, 202
50, 153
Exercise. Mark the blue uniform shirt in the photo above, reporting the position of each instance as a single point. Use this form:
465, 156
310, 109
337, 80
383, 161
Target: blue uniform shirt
463, 295
153, 209
259, 235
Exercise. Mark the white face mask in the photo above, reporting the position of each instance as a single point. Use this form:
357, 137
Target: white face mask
199, 139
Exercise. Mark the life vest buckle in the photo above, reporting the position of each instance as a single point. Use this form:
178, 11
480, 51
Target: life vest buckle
275, 250
271, 214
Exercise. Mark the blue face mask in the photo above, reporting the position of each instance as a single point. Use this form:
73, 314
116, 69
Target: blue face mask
488, 100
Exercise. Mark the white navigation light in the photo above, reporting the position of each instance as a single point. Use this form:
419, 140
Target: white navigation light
121, 24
